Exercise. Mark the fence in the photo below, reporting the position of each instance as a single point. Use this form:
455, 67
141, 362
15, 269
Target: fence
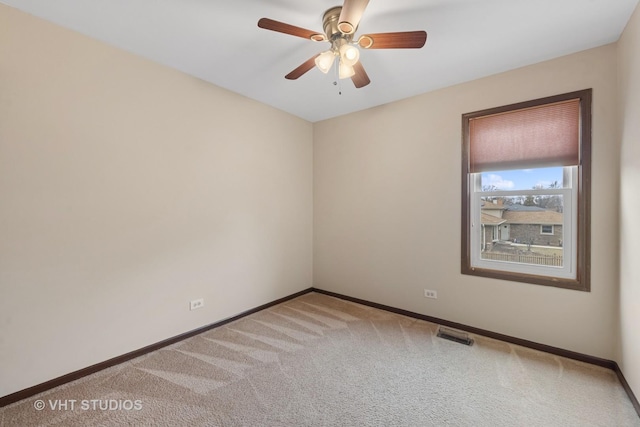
553, 260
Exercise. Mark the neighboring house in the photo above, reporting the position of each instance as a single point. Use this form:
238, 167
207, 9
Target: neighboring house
491, 219
537, 227
520, 224
491, 228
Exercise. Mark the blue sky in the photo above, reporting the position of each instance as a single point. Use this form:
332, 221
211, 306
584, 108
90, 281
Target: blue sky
524, 179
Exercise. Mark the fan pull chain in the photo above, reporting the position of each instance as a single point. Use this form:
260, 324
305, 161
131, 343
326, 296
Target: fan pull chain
337, 81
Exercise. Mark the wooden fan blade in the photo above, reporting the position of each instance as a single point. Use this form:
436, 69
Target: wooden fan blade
360, 78
281, 27
401, 40
350, 15
306, 66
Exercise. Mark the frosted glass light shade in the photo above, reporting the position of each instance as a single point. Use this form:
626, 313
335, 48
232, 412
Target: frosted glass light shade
345, 70
349, 54
324, 61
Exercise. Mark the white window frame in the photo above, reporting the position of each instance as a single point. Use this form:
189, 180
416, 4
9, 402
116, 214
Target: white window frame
569, 194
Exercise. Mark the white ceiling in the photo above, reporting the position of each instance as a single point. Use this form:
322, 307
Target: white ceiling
219, 41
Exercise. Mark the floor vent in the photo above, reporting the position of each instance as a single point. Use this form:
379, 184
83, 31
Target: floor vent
453, 335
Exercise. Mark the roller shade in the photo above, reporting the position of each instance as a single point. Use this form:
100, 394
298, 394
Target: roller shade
542, 136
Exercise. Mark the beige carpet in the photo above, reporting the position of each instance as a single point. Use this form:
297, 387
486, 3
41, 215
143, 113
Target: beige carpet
321, 361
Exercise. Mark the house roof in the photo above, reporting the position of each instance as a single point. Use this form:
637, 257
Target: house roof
518, 214
533, 217
493, 206
516, 207
487, 219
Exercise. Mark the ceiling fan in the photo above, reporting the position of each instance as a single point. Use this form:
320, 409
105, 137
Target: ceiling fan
340, 24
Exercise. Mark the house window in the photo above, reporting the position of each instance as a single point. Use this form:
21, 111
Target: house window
526, 191
546, 229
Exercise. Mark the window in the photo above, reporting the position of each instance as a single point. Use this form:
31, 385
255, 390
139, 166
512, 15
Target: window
526, 191
546, 229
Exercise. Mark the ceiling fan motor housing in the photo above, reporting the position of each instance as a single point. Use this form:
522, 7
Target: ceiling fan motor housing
330, 25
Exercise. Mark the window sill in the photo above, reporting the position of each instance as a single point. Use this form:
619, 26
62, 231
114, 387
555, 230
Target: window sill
573, 284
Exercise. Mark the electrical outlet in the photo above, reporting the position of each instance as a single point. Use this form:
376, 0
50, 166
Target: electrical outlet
196, 304
428, 293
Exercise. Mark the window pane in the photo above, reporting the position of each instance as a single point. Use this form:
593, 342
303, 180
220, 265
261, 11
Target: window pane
522, 179
523, 229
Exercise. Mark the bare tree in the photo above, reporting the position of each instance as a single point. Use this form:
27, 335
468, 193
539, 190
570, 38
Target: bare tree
549, 202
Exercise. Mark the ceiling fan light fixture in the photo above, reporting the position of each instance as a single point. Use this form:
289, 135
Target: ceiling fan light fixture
325, 60
349, 55
340, 23
345, 71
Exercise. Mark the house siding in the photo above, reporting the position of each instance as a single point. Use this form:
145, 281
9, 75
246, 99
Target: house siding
523, 233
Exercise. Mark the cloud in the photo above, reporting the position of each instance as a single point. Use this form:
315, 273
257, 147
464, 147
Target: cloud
497, 181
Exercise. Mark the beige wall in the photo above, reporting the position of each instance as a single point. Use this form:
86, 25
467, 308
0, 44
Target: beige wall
388, 205
128, 189
629, 78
